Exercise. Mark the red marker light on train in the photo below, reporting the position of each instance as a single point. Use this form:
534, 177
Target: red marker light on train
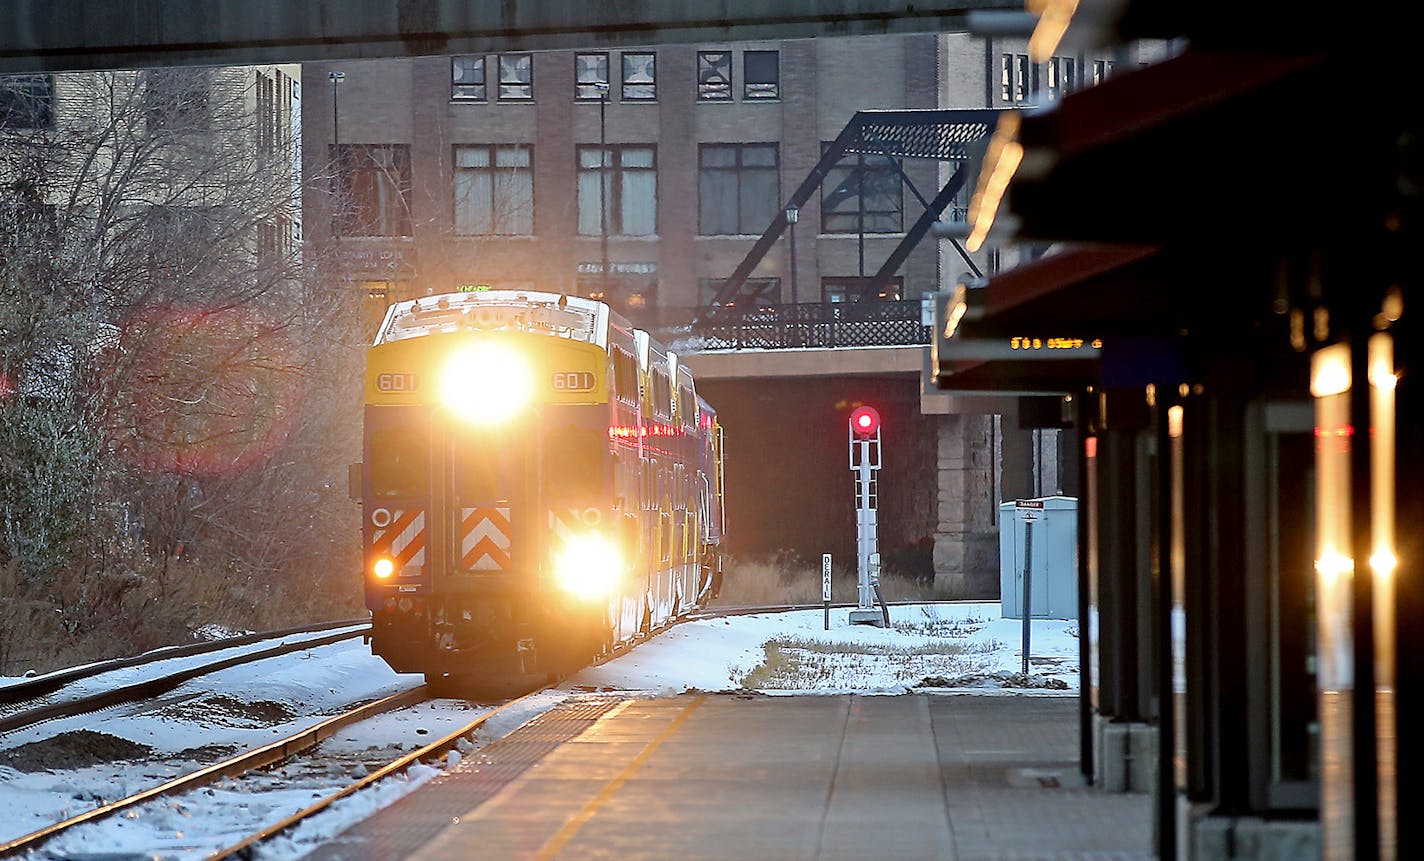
865, 421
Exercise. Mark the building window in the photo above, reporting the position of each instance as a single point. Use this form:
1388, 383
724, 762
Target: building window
755, 292
761, 75
862, 194
516, 77
1022, 83
640, 81
1015, 77
635, 296
275, 242
625, 181
590, 76
1101, 70
494, 190
714, 76
176, 100
1062, 77
26, 102
855, 289
376, 297
371, 190
467, 79
274, 112
738, 188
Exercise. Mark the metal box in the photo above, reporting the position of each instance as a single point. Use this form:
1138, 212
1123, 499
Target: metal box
1044, 534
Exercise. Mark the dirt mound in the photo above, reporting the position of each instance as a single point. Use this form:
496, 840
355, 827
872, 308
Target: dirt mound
72, 750
229, 711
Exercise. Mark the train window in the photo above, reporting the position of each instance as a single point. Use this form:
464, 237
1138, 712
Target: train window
482, 473
662, 394
625, 373
574, 461
665, 536
687, 406
400, 463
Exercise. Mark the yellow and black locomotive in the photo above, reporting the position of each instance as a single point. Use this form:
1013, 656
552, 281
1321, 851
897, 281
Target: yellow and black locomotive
540, 481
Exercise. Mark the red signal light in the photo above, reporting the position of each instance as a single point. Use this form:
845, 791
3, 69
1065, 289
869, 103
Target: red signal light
865, 421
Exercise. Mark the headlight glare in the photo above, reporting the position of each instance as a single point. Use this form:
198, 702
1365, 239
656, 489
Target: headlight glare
589, 566
383, 568
486, 383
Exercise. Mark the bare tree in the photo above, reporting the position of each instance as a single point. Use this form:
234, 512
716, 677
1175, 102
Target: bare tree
171, 382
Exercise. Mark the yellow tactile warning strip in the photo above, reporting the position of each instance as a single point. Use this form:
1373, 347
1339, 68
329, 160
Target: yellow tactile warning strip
555, 843
400, 830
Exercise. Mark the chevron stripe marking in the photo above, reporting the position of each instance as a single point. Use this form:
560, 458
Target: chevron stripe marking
383, 539
486, 548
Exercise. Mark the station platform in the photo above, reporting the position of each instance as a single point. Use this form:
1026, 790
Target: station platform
733, 776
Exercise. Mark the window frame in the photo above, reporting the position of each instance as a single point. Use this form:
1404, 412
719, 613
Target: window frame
848, 288
493, 168
501, 84
719, 95
626, 83
748, 94
481, 62
340, 183
737, 170
613, 164
27, 102
862, 213
606, 81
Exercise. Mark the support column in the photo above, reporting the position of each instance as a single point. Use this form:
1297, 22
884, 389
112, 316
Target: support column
966, 538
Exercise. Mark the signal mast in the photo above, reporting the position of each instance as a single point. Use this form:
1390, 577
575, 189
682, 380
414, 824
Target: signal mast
863, 431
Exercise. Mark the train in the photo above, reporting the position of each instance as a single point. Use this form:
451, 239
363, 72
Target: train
540, 483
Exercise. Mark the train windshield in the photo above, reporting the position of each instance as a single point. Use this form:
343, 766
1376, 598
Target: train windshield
485, 469
400, 463
574, 463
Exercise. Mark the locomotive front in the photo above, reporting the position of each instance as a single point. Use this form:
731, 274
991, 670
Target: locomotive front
493, 545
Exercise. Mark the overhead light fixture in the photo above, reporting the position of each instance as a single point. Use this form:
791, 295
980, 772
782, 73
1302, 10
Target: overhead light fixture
1000, 162
1054, 16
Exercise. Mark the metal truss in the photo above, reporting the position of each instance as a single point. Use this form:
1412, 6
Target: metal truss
943, 135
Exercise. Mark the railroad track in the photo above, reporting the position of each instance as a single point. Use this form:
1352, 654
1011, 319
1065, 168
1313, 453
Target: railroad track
33, 690
286, 749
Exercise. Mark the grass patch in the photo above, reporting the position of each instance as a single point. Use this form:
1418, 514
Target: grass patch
793, 663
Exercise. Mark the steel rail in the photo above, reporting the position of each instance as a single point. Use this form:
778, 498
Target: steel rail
51, 682
233, 767
246, 848
162, 684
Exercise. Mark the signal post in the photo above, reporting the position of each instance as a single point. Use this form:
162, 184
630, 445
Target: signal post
863, 431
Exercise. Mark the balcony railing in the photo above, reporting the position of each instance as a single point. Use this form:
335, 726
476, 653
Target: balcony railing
831, 324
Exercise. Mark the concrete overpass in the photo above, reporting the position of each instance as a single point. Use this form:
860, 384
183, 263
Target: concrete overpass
788, 480
59, 35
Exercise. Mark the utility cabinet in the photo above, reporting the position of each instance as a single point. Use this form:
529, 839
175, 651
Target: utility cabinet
1043, 533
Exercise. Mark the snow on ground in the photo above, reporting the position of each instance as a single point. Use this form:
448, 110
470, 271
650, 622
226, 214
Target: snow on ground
957, 646
943, 647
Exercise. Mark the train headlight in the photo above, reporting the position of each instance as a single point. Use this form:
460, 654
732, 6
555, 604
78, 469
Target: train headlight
486, 383
383, 568
589, 566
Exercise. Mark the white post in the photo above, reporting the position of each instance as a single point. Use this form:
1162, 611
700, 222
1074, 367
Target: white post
826, 586
865, 463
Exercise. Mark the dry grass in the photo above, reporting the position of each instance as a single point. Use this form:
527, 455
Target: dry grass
75, 619
785, 580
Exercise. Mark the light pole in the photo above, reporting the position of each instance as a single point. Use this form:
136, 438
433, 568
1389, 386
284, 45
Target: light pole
603, 160
792, 216
336, 79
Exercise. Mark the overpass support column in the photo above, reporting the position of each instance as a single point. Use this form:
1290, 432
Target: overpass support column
966, 538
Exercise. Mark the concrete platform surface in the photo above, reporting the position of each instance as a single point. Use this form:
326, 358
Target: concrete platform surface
972, 778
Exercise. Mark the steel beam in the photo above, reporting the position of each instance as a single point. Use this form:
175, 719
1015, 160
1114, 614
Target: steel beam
59, 35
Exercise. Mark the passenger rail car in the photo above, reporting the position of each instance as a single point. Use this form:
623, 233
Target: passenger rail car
539, 482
